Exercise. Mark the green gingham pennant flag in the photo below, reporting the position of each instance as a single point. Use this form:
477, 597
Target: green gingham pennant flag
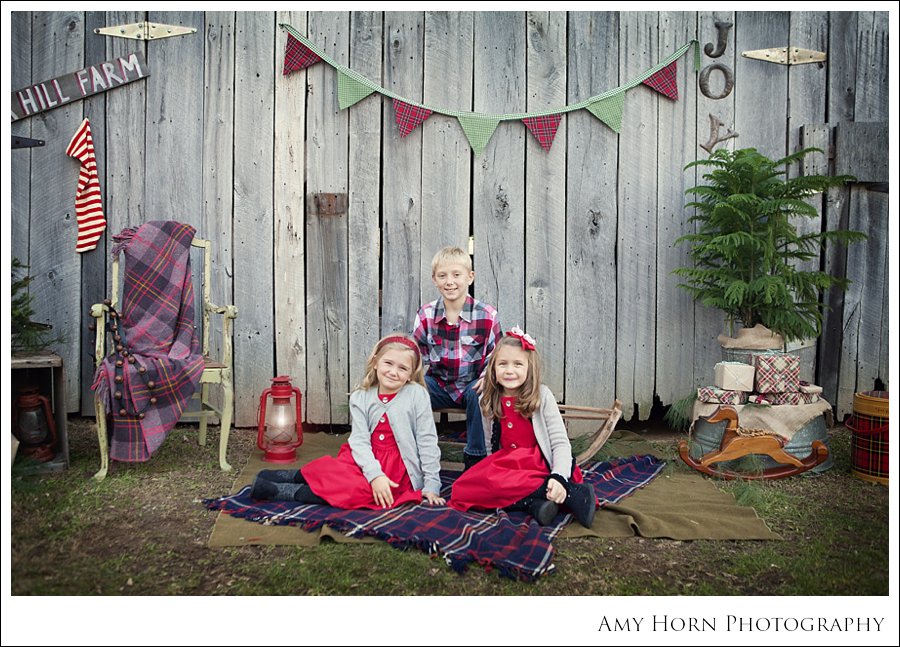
351, 91
478, 129
609, 110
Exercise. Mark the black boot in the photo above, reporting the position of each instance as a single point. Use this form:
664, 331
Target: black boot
537, 505
581, 501
544, 512
304, 494
266, 490
470, 459
282, 476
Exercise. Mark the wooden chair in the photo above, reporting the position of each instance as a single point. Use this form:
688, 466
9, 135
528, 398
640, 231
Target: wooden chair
215, 371
606, 417
738, 442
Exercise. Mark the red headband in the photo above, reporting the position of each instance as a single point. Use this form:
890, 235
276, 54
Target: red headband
526, 339
397, 339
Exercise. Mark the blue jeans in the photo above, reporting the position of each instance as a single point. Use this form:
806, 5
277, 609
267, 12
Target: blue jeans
440, 399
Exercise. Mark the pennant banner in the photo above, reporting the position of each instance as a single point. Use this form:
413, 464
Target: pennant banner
351, 91
478, 129
409, 116
609, 110
665, 81
543, 129
297, 56
300, 53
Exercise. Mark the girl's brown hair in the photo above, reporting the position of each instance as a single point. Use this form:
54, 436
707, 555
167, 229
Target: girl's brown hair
394, 341
529, 397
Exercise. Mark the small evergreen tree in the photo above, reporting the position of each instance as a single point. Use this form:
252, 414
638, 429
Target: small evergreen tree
27, 335
747, 250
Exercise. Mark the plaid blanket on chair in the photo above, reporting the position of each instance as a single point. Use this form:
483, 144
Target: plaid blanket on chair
156, 327
510, 542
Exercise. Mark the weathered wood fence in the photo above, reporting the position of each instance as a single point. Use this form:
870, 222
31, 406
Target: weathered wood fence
576, 245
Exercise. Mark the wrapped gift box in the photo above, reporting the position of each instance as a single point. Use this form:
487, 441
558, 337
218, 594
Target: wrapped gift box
806, 387
786, 398
777, 373
734, 376
720, 396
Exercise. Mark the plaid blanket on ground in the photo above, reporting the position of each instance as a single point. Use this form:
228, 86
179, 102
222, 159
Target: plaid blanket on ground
511, 542
156, 327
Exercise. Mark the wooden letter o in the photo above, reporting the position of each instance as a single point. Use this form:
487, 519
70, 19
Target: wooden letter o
704, 80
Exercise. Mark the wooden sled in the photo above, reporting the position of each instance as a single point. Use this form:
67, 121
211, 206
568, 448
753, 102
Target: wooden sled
736, 445
607, 417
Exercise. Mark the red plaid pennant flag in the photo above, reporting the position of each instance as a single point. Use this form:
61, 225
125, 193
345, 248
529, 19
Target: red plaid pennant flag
543, 128
664, 81
409, 116
297, 56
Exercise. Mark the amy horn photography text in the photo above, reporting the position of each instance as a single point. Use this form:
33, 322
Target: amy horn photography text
741, 624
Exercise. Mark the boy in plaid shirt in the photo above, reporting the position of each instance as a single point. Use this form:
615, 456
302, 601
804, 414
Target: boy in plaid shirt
456, 335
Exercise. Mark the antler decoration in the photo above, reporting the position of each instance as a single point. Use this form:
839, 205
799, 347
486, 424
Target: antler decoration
714, 137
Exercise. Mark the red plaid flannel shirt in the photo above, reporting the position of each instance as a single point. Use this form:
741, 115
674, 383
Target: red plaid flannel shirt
456, 354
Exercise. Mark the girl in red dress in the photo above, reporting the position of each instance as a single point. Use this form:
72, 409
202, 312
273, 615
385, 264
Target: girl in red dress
529, 465
392, 456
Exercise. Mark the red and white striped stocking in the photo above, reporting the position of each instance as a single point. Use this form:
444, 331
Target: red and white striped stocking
88, 203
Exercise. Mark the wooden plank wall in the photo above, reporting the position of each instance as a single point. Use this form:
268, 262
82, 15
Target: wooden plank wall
364, 232
636, 247
576, 245
446, 160
591, 214
498, 208
545, 197
708, 322
678, 133
327, 160
57, 47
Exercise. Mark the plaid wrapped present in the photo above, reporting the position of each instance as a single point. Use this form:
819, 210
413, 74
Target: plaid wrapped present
777, 373
734, 376
720, 396
795, 397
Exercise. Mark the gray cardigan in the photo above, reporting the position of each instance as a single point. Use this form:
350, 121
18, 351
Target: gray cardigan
549, 431
413, 425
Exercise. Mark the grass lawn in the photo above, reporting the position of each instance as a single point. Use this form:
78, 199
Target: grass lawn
143, 531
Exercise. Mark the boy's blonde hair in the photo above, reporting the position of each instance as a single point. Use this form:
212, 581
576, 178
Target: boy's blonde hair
451, 255
529, 397
394, 341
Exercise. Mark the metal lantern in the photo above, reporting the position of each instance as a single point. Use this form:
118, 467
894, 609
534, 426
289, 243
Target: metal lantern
34, 426
279, 431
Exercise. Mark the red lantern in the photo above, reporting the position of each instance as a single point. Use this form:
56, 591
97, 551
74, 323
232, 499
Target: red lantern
34, 425
280, 431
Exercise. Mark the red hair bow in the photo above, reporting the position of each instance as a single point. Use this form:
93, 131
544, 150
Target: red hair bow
526, 339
